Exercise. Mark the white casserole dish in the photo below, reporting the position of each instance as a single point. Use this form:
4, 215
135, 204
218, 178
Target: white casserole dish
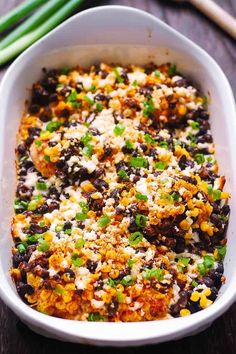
122, 35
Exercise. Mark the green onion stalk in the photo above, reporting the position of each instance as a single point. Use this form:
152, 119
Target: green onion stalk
24, 42
32, 22
18, 13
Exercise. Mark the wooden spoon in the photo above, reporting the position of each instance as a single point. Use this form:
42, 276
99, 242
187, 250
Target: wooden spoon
216, 14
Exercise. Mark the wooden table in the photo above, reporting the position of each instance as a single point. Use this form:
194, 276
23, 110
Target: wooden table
16, 338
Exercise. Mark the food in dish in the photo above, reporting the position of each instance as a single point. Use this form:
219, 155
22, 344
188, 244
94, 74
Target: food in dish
120, 211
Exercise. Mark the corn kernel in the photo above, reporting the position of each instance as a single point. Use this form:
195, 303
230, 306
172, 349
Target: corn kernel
184, 225
195, 296
184, 312
182, 110
87, 186
207, 292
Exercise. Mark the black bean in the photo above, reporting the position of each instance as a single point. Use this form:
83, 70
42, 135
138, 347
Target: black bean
96, 204
112, 308
214, 293
208, 281
175, 310
94, 131
67, 225
37, 229
100, 184
34, 108
143, 147
91, 265
53, 206
17, 259
220, 267
21, 149
34, 132
206, 138
181, 83
69, 272
98, 172
183, 162
126, 150
24, 289
46, 114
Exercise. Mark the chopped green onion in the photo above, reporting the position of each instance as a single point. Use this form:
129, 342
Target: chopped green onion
164, 144
195, 125
172, 70
216, 194
141, 197
129, 144
104, 221
72, 99
175, 196
130, 263
160, 165
199, 158
138, 162
93, 88
119, 129
34, 203
20, 204
43, 245
153, 273
86, 138
99, 106
38, 142
53, 126
81, 216
68, 231
88, 150
135, 238
140, 220
79, 243
222, 251
148, 108
22, 43
209, 261
201, 268
157, 73
84, 206
120, 297
89, 100
47, 158
127, 280
194, 284
119, 78
76, 260
21, 248
149, 140
183, 261
135, 83
41, 186
64, 71
19, 12
111, 282
122, 174
94, 317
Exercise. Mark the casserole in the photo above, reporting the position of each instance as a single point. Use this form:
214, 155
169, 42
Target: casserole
106, 40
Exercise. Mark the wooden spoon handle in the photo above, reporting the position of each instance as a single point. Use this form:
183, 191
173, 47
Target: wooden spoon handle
217, 14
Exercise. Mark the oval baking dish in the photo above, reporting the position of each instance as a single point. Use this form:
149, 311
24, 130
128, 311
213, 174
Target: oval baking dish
122, 35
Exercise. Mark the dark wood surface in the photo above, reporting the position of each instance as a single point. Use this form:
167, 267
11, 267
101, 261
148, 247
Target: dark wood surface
16, 338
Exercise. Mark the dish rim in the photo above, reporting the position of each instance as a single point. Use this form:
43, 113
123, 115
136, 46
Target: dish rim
69, 328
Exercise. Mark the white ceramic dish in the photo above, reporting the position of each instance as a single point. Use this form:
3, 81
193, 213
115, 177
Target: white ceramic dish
123, 35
